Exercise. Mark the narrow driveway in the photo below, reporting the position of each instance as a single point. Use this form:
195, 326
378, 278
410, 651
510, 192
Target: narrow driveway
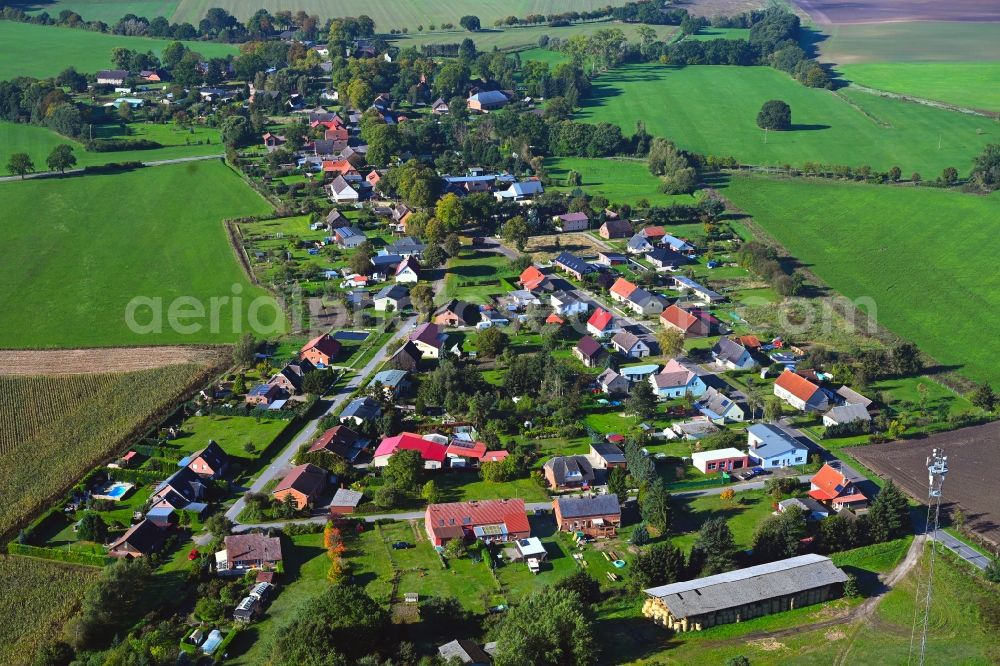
282, 463
970, 555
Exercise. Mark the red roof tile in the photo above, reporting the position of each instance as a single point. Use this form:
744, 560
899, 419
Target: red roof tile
799, 386
323, 344
622, 287
601, 319
445, 519
409, 441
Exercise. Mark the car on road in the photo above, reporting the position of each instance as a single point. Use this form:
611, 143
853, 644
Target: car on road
402, 545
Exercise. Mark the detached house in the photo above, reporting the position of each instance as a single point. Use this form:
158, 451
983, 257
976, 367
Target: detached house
429, 339
488, 100
842, 414
408, 270
630, 344
639, 244
249, 551
340, 191
339, 441
571, 222
521, 191
209, 463
719, 408
432, 452
621, 290
832, 487
663, 259
573, 265
303, 485
615, 229
566, 303
406, 358
360, 411
601, 323
456, 313
349, 237
490, 521
533, 279
690, 323
321, 350
732, 355
613, 383
568, 472
770, 446
142, 539
394, 296
112, 77
589, 351
800, 393
676, 381
644, 303
598, 517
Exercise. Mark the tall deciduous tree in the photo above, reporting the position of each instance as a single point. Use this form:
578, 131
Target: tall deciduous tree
61, 158
20, 164
549, 628
775, 115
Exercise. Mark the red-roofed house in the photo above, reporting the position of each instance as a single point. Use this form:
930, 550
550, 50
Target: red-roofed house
373, 178
344, 168
749, 341
304, 484
492, 521
601, 323
321, 350
800, 393
622, 289
653, 233
689, 323
463, 453
336, 134
494, 456
532, 279
830, 486
432, 452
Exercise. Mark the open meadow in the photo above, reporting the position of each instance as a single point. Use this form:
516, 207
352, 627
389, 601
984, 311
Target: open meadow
41, 51
83, 247
108, 11
36, 597
618, 180
66, 425
177, 142
519, 37
925, 256
970, 84
713, 110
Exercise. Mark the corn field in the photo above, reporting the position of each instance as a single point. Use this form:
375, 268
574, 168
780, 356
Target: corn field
36, 598
54, 429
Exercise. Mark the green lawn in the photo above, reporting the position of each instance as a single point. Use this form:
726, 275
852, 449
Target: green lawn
618, 180
41, 51
110, 11
83, 247
545, 55
910, 41
473, 266
177, 142
461, 487
743, 513
865, 242
527, 37
713, 110
972, 84
232, 433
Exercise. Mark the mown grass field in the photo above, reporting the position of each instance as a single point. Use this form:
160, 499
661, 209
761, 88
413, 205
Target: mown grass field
36, 597
926, 257
392, 13
507, 38
109, 11
971, 84
75, 423
713, 110
618, 180
177, 142
908, 41
83, 247
41, 51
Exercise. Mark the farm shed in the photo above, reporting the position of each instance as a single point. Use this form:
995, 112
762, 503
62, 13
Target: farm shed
736, 596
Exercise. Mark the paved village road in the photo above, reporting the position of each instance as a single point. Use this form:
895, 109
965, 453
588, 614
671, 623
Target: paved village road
282, 463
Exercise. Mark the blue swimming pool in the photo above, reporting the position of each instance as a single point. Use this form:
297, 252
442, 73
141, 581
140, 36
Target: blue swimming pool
117, 490
114, 491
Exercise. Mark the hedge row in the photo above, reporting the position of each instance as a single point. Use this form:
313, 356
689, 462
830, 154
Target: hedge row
58, 555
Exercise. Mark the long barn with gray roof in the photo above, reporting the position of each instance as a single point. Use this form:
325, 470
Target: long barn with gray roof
736, 596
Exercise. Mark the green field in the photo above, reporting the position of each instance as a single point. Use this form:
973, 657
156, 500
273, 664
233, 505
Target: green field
545, 55
110, 11
177, 142
972, 84
915, 41
926, 257
392, 13
40, 51
618, 180
713, 110
83, 247
506, 38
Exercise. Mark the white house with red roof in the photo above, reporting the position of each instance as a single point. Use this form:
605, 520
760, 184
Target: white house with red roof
432, 452
832, 487
491, 521
800, 393
601, 323
465, 452
622, 289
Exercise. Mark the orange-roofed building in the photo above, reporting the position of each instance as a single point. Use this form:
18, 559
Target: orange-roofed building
691, 324
321, 350
336, 134
622, 289
492, 521
832, 487
531, 279
601, 323
555, 319
343, 167
800, 393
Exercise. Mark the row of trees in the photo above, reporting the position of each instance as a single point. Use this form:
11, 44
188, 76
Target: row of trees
60, 159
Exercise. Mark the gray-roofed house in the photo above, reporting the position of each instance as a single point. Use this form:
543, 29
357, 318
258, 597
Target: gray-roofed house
720, 408
639, 244
852, 397
612, 383
573, 265
335, 220
406, 358
743, 594
524, 190
394, 296
812, 509
393, 381
664, 259
770, 446
568, 222
687, 284
345, 500
630, 344
360, 411
183, 490
568, 471
643, 302
487, 100
599, 516
605, 455
842, 414
407, 246
340, 191
732, 355
349, 236
615, 229
567, 303
466, 652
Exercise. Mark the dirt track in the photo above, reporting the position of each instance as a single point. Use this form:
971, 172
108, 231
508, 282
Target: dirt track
85, 361
839, 12
971, 481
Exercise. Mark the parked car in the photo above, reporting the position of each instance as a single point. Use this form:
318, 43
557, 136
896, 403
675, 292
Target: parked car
402, 545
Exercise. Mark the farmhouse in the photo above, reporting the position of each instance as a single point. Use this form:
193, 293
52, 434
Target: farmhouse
690, 323
737, 596
249, 551
303, 485
770, 446
321, 350
143, 538
799, 392
832, 487
598, 517
719, 460
433, 453
210, 462
676, 380
731, 355
630, 344
568, 472
491, 521
568, 222
589, 351
573, 265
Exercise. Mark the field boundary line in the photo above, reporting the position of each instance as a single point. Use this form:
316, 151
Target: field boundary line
946, 106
